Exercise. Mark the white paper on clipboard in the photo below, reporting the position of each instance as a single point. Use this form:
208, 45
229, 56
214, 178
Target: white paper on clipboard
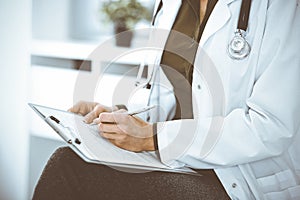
85, 140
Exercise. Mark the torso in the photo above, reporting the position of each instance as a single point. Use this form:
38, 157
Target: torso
203, 5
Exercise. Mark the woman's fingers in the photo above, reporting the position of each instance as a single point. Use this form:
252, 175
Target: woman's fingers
90, 117
124, 123
115, 117
82, 107
93, 114
90, 110
109, 128
125, 131
112, 136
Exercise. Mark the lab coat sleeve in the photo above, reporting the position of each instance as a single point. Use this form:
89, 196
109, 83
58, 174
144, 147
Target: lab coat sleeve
271, 120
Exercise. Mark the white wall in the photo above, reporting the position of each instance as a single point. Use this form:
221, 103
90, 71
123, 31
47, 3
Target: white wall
50, 19
73, 19
15, 37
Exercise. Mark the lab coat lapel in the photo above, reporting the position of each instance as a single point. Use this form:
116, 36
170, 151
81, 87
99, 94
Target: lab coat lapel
170, 9
218, 18
159, 35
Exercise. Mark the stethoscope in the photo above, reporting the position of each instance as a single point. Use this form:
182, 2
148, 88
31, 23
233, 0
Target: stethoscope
237, 49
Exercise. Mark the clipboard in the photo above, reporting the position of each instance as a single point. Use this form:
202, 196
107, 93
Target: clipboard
86, 142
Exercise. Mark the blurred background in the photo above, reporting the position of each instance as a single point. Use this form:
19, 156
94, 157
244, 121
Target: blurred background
43, 44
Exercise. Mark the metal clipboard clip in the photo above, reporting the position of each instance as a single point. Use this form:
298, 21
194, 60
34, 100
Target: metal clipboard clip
61, 129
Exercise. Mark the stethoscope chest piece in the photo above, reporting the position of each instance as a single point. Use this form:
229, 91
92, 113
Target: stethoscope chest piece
238, 48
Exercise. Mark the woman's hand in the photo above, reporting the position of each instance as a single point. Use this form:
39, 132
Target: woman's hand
127, 132
90, 110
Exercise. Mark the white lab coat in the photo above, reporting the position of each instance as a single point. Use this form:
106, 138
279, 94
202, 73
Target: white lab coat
247, 127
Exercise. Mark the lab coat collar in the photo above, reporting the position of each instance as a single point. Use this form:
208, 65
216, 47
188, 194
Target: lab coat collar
218, 18
170, 9
167, 3
170, 1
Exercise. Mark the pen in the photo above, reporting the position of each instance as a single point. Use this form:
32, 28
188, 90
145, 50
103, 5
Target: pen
131, 113
145, 109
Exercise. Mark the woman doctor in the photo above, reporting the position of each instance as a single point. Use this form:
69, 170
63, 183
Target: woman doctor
245, 100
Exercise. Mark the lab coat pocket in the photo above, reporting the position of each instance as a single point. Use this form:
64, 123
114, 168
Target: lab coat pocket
279, 181
292, 193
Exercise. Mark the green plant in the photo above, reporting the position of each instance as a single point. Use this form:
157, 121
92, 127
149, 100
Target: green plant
125, 13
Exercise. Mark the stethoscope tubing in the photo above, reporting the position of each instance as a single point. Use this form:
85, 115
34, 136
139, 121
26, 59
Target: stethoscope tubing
238, 48
244, 15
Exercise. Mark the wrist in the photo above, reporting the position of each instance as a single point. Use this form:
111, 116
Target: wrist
150, 144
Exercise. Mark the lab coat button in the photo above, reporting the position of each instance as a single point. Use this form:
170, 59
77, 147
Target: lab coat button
234, 185
199, 87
